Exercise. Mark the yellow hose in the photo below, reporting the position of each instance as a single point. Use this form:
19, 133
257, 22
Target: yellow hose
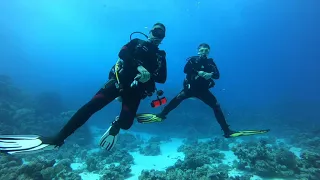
116, 68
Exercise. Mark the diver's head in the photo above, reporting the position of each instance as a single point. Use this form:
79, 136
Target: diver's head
203, 50
157, 33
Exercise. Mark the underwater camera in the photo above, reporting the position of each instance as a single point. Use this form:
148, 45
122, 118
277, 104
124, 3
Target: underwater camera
159, 101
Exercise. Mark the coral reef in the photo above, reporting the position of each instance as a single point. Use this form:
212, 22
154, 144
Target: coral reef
310, 141
275, 160
111, 165
12, 168
97, 161
152, 148
120, 172
201, 173
129, 142
221, 143
309, 166
198, 154
266, 160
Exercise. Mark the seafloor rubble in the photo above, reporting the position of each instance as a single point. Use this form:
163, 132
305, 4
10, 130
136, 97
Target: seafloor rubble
265, 157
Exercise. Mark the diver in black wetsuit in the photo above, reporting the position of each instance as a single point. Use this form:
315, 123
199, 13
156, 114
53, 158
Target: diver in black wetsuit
138, 58
200, 72
141, 64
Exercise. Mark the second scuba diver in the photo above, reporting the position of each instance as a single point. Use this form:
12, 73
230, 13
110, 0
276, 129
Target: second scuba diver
140, 66
200, 72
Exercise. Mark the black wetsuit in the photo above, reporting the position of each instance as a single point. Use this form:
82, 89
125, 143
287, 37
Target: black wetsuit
135, 53
196, 86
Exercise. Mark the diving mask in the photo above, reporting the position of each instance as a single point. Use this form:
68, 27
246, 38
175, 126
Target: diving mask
158, 33
203, 51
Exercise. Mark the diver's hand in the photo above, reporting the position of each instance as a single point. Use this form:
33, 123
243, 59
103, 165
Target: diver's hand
207, 75
144, 74
201, 73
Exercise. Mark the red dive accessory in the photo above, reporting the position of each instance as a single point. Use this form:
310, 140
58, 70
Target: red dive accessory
159, 101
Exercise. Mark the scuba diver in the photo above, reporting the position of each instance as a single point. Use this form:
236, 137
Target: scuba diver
140, 66
200, 74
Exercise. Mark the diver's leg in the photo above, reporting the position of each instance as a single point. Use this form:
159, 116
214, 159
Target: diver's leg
174, 103
130, 104
103, 97
208, 98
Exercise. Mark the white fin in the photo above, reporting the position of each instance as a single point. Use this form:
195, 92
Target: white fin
21, 144
108, 141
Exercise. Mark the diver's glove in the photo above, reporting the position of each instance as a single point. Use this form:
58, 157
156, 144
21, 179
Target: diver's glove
144, 74
205, 75
201, 73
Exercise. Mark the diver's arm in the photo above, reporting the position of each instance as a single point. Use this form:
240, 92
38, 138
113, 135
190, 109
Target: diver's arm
161, 74
127, 52
214, 69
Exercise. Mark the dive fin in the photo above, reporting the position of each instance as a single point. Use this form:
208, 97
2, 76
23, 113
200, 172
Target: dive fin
108, 141
248, 133
148, 118
23, 144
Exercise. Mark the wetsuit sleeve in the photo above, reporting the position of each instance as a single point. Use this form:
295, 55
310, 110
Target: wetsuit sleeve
214, 69
188, 68
161, 75
127, 52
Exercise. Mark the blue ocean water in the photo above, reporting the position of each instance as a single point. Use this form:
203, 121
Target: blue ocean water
55, 55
